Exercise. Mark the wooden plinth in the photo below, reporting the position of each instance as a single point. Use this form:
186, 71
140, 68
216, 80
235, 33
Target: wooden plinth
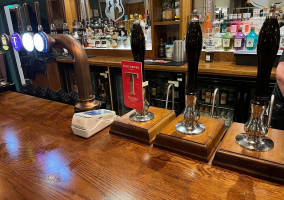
268, 165
200, 147
144, 132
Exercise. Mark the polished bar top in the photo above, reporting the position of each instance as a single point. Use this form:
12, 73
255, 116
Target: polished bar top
40, 158
213, 68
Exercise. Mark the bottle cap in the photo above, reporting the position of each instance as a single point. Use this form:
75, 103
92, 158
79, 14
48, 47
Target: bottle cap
252, 28
194, 16
240, 29
228, 29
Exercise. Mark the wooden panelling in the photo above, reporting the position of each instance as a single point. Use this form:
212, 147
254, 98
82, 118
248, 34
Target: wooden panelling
212, 68
185, 11
71, 13
133, 8
42, 159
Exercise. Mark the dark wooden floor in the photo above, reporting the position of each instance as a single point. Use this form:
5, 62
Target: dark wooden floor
40, 158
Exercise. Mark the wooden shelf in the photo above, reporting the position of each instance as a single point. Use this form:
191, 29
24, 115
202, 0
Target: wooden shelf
166, 23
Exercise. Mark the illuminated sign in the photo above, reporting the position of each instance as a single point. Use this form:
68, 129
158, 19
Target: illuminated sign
16, 41
5, 41
28, 42
41, 42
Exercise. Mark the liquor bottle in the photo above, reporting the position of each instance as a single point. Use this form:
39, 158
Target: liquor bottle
131, 22
66, 29
254, 21
126, 25
75, 30
227, 40
167, 10
245, 24
234, 24
177, 10
263, 17
217, 39
224, 24
161, 49
207, 24
239, 40
209, 51
251, 40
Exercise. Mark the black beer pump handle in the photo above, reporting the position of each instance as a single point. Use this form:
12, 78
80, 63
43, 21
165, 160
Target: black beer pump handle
267, 48
137, 42
193, 50
18, 16
27, 16
37, 11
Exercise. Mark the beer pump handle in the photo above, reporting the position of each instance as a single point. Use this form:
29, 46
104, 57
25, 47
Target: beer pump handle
19, 19
267, 48
193, 50
215, 102
37, 11
27, 16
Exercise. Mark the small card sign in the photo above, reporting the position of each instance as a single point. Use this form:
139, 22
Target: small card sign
132, 84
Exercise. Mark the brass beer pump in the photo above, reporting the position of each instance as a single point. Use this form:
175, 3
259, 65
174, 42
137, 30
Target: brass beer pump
87, 100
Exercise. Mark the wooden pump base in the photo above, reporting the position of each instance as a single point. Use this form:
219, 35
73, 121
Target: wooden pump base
268, 165
200, 146
144, 132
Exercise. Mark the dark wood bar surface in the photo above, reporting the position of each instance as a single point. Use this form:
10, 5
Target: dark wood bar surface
40, 158
213, 68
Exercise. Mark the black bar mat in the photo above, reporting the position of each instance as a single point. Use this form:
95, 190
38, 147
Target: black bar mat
163, 62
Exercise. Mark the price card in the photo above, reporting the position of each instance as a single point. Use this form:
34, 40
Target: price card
132, 84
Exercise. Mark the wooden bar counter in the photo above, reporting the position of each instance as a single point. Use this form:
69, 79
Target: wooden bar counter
40, 158
213, 68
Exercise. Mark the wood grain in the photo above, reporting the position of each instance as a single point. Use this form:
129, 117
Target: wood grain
268, 165
214, 68
142, 131
42, 159
200, 146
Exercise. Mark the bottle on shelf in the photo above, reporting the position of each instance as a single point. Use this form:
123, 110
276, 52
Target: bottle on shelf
161, 49
75, 30
227, 40
234, 24
207, 24
177, 10
239, 40
217, 39
209, 50
254, 21
224, 25
251, 39
167, 10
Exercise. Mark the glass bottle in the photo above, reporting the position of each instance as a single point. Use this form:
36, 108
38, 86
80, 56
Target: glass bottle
234, 24
177, 10
227, 40
167, 10
251, 40
207, 24
254, 21
239, 40
161, 49
217, 39
224, 24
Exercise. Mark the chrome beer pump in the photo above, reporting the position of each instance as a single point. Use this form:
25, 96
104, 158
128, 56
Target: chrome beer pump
138, 52
191, 115
257, 126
